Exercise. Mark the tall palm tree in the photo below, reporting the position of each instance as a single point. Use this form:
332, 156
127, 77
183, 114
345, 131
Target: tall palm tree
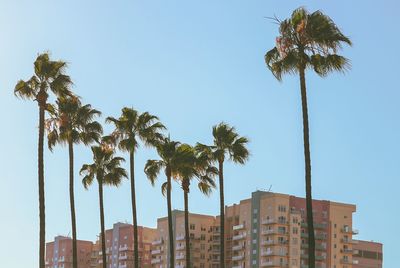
171, 159
107, 170
131, 127
194, 165
307, 41
49, 77
72, 123
227, 143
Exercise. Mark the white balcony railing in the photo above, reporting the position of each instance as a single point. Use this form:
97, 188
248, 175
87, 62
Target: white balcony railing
238, 237
237, 247
157, 242
238, 227
155, 261
237, 258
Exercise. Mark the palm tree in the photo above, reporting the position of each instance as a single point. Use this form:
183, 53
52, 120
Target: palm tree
194, 165
307, 40
71, 123
171, 159
227, 143
108, 171
49, 76
130, 127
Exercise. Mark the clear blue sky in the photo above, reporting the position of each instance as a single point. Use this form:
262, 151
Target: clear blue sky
194, 64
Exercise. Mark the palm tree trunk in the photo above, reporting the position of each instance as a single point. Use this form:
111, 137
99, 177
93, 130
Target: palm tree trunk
134, 212
187, 236
42, 223
170, 229
72, 204
221, 213
103, 236
307, 158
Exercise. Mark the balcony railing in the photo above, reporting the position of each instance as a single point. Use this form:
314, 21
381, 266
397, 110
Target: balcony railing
123, 257
180, 237
268, 221
238, 227
237, 258
180, 257
122, 248
237, 247
157, 242
156, 251
238, 237
155, 261
180, 247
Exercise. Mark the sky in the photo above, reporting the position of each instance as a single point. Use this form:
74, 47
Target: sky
195, 64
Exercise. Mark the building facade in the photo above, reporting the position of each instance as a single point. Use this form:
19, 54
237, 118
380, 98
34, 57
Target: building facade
59, 253
367, 255
119, 246
266, 230
202, 227
270, 230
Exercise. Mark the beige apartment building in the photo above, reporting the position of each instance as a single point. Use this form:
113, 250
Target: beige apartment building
266, 230
119, 246
202, 228
59, 253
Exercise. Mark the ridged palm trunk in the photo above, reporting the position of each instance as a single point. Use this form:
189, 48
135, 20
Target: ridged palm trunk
134, 212
42, 97
222, 213
103, 236
72, 205
307, 158
187, 235
170, 229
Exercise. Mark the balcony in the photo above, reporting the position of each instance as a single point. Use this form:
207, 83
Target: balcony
345, 261
266, 252
274, 264
237, 247
156, 251
268, 221
180, 257
122, 266
122, 257
348, 230
238, 227
238, 266
267, 242
122, 248
180, 237
237, 258
268, 231
179, 266
347, 251
238, 237
180, 247
155, 261
157, 242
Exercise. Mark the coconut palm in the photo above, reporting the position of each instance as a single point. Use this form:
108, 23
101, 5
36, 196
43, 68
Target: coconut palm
307, 41
227, 145
171, 160
107, 170
49, 77
131, 127
72, 123
194, 165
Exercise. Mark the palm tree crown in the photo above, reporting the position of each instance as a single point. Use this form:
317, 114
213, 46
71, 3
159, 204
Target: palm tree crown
49, 75
132, 125
307, 40
72, 122
105, 168
227, 143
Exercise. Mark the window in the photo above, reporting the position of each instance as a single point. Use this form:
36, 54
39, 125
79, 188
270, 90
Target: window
203, 237
295, 230
282, 208
192, 227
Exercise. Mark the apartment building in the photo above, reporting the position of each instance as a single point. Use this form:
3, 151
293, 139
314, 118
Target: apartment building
59, 253
367, 254
202, 229
270, 230
119, 246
